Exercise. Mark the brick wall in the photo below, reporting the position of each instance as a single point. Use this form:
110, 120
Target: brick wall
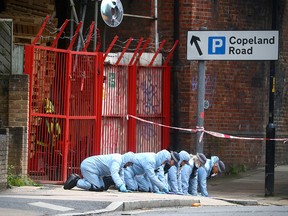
4, 140
281, 94
4, 85
18, 122
14, 115
18, 100
236, 90
18, 150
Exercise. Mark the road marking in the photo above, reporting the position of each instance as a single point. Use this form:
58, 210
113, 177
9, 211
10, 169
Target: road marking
51, 206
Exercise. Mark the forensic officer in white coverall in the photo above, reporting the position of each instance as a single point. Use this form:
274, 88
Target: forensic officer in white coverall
96, 168
189, 174
145, 172
174, 172
212, 168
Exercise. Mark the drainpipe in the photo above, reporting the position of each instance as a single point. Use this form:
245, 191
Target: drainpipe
96, 7
175, 139
270, 129
156, 26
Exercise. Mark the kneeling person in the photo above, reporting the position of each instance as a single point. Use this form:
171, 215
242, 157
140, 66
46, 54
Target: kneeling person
95, 170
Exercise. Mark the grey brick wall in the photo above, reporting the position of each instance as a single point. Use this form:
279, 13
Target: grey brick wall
4, 140
18, 150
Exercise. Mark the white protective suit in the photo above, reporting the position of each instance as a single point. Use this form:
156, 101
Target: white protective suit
174, 173
94, 168
145, 174
204, 173
189, 175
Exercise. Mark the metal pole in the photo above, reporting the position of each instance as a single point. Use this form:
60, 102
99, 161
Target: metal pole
270, 129
200, 103
83, 13
71, 24
96, 24
76, 18
200, 106
175, 142
156, 25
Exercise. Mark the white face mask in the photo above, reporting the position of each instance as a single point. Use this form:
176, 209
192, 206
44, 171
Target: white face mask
214, 174
197, 165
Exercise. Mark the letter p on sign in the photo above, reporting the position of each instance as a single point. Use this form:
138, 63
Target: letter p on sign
216, 45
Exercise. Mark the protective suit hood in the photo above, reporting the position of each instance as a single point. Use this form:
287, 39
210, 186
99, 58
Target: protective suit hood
162, 156
184, 156
128, 157
210, 163
214, 159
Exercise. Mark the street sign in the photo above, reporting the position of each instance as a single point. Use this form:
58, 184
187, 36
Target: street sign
232, 45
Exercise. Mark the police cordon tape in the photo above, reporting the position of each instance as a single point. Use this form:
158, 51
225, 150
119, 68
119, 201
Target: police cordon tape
212, 133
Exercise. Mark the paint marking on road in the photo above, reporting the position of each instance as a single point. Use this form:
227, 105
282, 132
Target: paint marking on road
51, 206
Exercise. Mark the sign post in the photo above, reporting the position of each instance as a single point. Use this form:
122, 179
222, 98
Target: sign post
238, 45
200, 106
200, 95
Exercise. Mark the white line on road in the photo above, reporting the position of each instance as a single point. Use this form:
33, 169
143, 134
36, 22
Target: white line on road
51, 206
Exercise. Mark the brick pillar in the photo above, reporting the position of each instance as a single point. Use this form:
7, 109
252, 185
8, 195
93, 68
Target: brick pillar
18, 104
18, 100
18, 150
4, 140
4, 83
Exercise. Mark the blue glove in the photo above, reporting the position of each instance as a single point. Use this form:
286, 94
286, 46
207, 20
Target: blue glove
165, 190
123, 188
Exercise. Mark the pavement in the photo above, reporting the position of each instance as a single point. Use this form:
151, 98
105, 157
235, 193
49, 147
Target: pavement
247, 188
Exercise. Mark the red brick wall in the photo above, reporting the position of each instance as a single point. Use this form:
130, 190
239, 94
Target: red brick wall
237, 90
281, 94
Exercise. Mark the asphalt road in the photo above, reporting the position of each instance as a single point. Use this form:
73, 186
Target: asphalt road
210, 211
31, 207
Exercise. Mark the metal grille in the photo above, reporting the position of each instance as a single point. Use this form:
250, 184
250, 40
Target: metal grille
74, 114
114, 110
63, 111
149, 106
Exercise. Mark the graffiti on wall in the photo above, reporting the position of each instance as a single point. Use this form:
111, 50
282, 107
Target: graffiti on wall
150, 103
210, 85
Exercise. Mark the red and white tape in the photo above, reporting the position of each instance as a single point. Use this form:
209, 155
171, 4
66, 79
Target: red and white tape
212, 133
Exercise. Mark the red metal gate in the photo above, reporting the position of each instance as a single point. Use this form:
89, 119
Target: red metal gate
65, 110
131, 91
75, 112
140, 92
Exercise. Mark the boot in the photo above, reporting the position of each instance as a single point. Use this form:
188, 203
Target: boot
95, 188
108, 181
71, 181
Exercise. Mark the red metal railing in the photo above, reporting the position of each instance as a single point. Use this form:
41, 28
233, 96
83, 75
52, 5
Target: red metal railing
65, 115
75, 113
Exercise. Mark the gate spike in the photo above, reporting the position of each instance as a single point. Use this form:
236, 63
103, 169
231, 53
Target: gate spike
170, 53
136, 50
75, 36
142, 50
60, 33
89, 36
124, 50
41, 30
110, 47
156, 53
